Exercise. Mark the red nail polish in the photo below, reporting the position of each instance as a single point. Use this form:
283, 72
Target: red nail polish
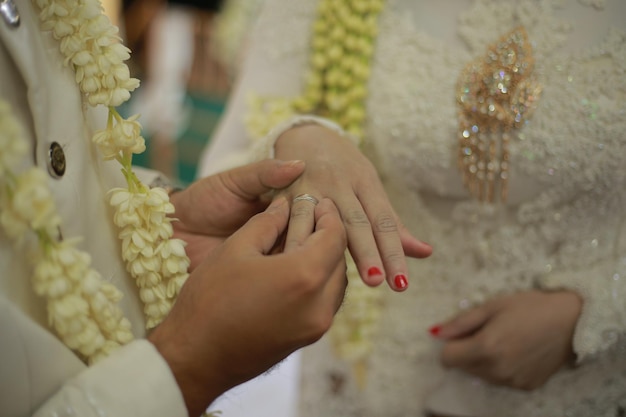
400, 281
435, 330
374, 271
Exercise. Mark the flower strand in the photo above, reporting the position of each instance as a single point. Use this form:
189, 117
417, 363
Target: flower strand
92, 47
342, 47
156, 261
82, 308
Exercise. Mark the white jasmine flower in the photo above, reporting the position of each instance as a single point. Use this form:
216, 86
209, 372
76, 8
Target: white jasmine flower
92, 282
174, 266
90, 9
157, 197
31, 207
174, 284
117, 96
82, 58
174, 247
120, 137
69, 305
149, 279
160, 225
125, 132
104, 141
149, 264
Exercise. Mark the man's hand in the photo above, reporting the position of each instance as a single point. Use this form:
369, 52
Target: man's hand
214, 207
519, 340
241, 311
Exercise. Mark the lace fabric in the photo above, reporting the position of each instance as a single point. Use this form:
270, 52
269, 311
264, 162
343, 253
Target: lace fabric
561, 227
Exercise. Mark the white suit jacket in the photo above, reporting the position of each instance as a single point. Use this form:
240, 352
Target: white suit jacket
38, 374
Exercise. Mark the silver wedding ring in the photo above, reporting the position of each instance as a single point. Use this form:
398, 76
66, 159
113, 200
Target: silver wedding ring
306, 197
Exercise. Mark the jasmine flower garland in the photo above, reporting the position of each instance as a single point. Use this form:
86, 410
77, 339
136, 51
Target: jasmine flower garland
91, 45
82, 307
342, 46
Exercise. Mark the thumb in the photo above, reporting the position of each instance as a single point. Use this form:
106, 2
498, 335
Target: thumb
253, 180
262, 232
462, 325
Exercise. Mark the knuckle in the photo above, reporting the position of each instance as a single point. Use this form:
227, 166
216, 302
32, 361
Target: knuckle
308, 283
315, 324
320, 324
385, 223
490, 348
292, 242
394, 256
501, 374
357, 218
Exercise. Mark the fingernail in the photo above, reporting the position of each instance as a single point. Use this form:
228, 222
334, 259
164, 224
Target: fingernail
400, 281
374, 271
435, 330
277, 203
294, 163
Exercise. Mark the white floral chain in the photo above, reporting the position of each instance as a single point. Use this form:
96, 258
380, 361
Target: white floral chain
82, 307
342, 46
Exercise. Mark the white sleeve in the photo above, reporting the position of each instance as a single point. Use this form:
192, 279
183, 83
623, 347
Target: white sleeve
273, 67
40, 376
134, 381
602, 286
590, 259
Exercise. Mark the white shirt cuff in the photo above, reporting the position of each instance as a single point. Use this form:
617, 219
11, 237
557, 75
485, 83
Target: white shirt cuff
134, 381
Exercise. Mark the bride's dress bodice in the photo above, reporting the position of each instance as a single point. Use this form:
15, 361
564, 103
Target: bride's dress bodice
564, 215
566, 198
562, 225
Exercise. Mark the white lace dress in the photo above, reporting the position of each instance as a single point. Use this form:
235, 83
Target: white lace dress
562, 226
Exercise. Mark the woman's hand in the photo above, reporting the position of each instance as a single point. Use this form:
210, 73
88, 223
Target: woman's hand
336, 169
213, 208
519, 340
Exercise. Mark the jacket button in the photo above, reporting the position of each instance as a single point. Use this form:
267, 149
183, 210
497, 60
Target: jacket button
9, 13
56, 162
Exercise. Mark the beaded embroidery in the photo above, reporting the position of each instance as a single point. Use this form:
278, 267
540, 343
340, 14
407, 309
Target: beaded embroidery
496, 94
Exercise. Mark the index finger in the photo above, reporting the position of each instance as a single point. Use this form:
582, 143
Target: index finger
461, 353
465, 323
262, 231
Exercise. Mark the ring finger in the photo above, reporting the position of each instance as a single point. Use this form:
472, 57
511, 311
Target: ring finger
301, 221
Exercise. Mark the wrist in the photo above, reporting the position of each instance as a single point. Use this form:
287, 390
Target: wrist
198, 390
271, 139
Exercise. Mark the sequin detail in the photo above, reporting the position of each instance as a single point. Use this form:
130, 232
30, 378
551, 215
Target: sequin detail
496, 94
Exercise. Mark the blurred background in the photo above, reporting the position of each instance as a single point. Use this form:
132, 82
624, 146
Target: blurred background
186, 54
